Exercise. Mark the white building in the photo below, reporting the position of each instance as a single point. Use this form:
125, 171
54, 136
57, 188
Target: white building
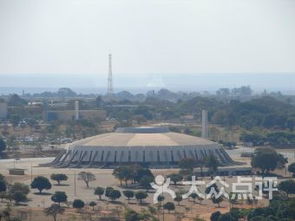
155, 147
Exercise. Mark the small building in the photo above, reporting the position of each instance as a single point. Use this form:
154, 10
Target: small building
69, 115
16, 171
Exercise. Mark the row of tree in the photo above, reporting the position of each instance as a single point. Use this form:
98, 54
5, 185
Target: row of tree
278, 139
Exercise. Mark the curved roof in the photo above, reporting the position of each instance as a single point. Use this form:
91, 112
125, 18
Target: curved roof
141, 138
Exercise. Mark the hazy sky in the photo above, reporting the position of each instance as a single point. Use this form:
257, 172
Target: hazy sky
147, 36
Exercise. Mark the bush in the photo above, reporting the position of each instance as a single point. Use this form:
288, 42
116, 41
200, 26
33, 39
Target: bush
169, 206
78, 204
140, 196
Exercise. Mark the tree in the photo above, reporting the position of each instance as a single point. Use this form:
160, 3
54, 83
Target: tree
53, 211
194, 196
129, 194
123, 174
41, 183
287, 186
215, 216
169, 206
114, 195
228, 217
19, 187
18, 192
187, 164
18, 197
108, 190
138, 172
146, 181
59, 177
87, 177
2, 146
92, 204
212, 164
161, 198
291, 168
131, 215
175, 178
265, 159
78, 204
178, 198
140, 195
3, 186
215, 200
59, 197
15, 100
99, 191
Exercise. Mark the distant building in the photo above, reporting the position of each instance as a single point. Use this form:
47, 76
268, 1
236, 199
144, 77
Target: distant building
16, 171
3, 110
69, 115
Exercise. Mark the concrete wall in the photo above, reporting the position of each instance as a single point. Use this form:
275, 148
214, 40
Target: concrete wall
154, 155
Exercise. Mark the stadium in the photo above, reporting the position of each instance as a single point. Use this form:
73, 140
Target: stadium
151, 146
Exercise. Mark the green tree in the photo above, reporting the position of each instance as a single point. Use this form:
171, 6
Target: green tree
217, 200
2, 146
194, 196
175, 178
19, 187
131, 215
41, 183
138, 172
212, 164
128, 194
266, 159
87, 177
59, 177
59, 197
291, 168
18, 197
92, 204
3, 186
114, 195
140, 195
214, 188
215, 216
169, 206
99, 191
287, 186
123, 174
78, 204
15, 100
178, 198
53, 211
108, 190
146, 181
187, 164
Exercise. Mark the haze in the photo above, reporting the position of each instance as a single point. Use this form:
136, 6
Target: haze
146, 38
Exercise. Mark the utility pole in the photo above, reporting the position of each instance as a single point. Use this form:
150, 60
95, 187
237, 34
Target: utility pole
31, 172
75, 184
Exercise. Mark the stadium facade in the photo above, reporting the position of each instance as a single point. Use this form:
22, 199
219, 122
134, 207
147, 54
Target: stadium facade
151, 146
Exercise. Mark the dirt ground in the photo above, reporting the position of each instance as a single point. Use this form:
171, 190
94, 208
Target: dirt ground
76, 189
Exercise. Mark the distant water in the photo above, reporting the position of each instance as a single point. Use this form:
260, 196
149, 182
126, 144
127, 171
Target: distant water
141, 83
